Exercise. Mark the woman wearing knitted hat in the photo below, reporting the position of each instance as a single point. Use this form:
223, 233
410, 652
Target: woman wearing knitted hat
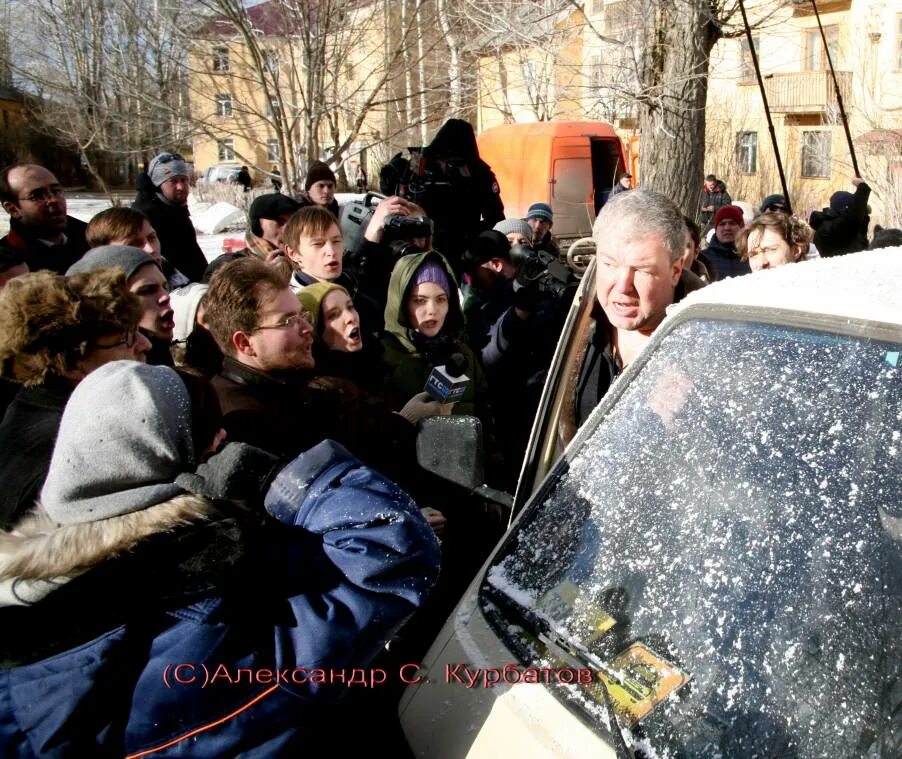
147, 578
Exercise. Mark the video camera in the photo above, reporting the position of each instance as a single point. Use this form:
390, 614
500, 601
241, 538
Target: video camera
356, 216
541, 270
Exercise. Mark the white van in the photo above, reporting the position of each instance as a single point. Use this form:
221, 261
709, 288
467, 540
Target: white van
714, 565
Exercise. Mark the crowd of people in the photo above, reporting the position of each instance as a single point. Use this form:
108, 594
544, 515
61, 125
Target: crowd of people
214, 464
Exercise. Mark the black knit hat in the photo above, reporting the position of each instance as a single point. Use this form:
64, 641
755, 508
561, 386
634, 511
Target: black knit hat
317, 172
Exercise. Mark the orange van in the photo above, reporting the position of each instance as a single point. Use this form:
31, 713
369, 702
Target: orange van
571, 165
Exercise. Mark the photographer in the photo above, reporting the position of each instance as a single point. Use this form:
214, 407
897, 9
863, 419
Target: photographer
515, 311
392, 229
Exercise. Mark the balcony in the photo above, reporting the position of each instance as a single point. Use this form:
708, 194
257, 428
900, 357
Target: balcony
807, 92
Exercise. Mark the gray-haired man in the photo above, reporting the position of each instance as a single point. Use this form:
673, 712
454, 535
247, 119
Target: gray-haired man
640, 237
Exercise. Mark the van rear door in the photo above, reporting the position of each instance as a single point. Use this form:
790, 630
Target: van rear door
571, 188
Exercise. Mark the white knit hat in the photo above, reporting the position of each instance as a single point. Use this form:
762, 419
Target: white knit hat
185, 301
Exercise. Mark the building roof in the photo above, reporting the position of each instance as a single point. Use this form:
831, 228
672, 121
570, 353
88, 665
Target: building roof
865, 285
269, 18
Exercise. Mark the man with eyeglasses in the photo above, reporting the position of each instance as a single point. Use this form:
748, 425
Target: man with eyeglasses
267, 341
39, 228
163, 198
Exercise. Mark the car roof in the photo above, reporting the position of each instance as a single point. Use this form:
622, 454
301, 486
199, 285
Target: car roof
865, 285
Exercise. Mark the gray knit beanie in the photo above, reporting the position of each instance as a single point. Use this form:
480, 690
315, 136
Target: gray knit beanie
509, 226
124, 437
126, 257
165, 166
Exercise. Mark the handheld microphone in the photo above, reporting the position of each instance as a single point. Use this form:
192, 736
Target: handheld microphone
448, 383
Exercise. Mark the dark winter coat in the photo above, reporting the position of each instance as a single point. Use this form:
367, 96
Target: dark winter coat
724, 261
198, 629
717, 197
845, 232
600, 367
282, 416
38, 255
457, 189
27, 435
172, 223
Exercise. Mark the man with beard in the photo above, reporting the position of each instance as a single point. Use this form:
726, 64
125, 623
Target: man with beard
267, 340
163, 198
39, 229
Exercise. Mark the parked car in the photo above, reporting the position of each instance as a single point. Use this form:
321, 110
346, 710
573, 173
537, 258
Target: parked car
713, 567
225, 173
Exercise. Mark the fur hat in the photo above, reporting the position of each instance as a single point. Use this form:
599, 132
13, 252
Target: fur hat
166, 166
126, 257
124, 437
318, 172
729, 212
509, 226
540, 211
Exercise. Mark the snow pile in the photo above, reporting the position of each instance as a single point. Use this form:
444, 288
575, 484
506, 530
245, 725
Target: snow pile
218, 217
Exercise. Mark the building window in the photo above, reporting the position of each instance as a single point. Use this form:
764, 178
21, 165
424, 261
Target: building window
746, 65
220, 59
816, 150
273, 153
747, 152
223, 105
272, 106
226, 150
815, 58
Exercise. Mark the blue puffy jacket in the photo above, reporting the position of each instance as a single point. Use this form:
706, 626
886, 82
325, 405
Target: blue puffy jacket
221, 632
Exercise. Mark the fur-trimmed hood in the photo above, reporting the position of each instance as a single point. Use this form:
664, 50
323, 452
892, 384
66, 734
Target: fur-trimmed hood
39, 555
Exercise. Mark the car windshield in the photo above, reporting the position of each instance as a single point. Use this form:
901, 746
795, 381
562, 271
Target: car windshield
723, 549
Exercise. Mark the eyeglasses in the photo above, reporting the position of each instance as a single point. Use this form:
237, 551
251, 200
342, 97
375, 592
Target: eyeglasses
43, 194
777, 207
292, 322
128, 341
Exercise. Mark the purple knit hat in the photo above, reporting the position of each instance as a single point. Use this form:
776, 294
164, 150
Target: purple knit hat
432, 271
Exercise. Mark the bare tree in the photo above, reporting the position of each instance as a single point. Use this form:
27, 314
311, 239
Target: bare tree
95, 68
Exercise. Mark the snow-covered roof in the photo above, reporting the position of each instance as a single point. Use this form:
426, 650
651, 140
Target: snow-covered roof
865, 285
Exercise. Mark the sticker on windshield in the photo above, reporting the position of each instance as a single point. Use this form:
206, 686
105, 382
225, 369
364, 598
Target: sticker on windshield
565, 603
638, 680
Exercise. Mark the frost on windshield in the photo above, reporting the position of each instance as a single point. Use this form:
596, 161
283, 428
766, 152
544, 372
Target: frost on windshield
736, 517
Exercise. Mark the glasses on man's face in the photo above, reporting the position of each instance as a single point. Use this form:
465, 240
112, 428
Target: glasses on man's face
169, 158
128, 341
289, 322
43, 194
776, 207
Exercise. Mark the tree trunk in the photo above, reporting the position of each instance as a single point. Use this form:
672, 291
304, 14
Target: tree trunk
674, 80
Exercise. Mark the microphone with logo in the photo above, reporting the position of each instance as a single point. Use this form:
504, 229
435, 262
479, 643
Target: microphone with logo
448, 383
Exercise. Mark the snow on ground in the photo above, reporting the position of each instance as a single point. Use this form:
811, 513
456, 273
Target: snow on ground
86, 207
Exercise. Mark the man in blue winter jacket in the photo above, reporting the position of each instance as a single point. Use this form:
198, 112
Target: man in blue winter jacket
160, 608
